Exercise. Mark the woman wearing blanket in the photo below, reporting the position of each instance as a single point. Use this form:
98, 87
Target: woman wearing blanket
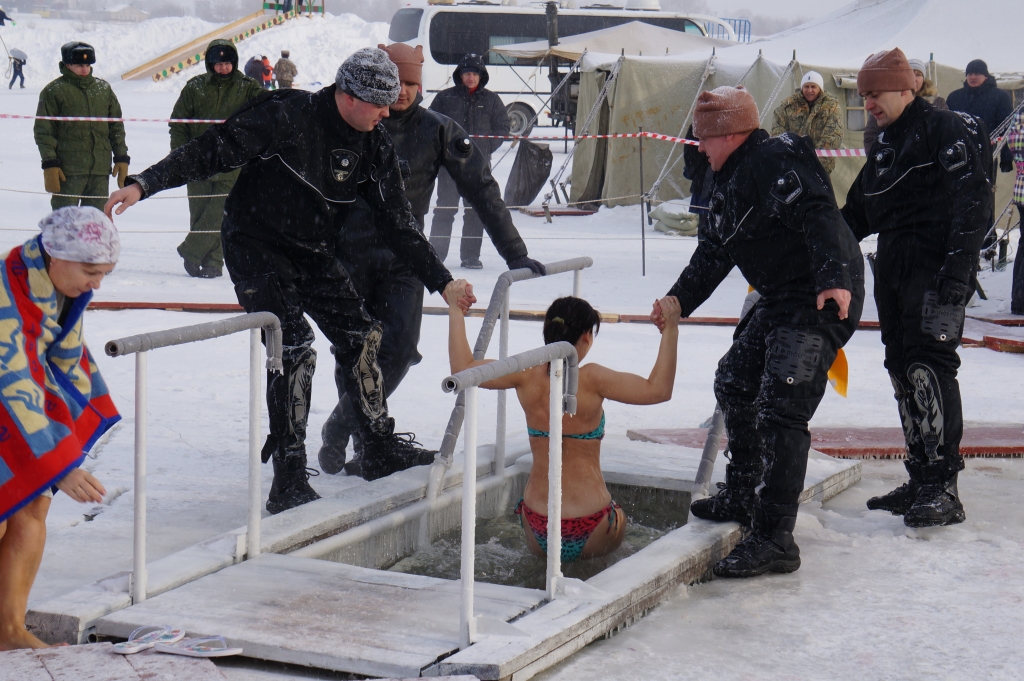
53, 403
592, 524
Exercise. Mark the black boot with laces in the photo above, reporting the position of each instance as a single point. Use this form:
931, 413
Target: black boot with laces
768, 548
897, 501
937, 503
291, 480
383, 455
735, 497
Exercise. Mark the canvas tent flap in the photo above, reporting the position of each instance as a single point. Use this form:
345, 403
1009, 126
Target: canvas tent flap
635, 38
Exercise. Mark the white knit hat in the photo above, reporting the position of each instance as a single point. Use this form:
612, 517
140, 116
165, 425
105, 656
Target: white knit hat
813, 77
918, 65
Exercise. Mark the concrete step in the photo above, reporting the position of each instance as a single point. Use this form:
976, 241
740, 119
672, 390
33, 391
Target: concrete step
97, 662
856, 443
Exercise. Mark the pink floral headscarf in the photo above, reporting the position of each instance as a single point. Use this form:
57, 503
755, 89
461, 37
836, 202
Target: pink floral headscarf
80, 234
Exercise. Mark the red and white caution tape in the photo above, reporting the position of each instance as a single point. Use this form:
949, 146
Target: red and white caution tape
101, 119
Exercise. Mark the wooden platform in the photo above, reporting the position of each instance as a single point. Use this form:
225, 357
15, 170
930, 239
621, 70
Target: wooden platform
325, 615
863, 443
97, 662
1000, 318
998, 337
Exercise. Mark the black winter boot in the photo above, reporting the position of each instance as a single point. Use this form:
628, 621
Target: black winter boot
383, 455
335, 435
735, 497
769, 548
897, 501
291, 480
937, 503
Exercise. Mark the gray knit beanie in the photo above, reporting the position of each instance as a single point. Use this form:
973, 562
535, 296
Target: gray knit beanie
371, 76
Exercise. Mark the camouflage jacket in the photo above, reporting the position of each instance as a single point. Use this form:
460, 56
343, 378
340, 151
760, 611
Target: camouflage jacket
822, 122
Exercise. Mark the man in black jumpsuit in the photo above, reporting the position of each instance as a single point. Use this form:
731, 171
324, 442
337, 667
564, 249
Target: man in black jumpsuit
425, 143
315, 154
926, 193
772, 214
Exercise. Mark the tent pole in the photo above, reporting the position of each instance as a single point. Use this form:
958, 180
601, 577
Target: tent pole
643, 233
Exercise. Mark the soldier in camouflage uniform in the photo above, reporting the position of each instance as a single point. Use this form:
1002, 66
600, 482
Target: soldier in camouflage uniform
76, 154
214, 95
814, 113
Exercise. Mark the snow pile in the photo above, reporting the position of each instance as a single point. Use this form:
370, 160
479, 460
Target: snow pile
317, 45
119, 47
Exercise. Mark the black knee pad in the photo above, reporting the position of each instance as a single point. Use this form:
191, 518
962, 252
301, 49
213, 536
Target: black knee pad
794, 355
371, 398
942, 322
927, 400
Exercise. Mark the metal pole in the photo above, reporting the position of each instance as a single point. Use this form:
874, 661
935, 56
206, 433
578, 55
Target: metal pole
255, 487
643, 234
498, 467
467, 625
554, 568
577, 283
139, 565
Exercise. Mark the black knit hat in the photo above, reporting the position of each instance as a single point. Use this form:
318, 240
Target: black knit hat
978, 67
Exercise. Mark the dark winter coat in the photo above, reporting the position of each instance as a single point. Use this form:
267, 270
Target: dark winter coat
926, 176
254, 69
17, 65
211, 96
425, 142
988, 104
773, 214
479, 113
79, 148
697, 169
304, 166
4, 17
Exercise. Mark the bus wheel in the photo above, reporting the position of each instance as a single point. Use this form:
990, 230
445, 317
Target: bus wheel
520, 118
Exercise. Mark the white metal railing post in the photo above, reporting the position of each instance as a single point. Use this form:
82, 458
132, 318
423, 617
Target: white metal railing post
554, 567
467, 628
252, 538
498, 466
577, 283
139, 561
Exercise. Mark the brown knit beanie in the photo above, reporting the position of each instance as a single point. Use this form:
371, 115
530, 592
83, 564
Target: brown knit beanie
409, 61
725, 111
886, 72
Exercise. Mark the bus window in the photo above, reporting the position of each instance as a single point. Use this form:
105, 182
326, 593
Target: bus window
405, 25
454, 34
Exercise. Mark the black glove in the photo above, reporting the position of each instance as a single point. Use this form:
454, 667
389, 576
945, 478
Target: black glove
951, 291
1005, 162
526, 262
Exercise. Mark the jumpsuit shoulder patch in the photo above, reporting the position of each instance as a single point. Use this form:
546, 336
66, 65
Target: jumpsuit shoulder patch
883, 159
343, 164
787, 188
953, 156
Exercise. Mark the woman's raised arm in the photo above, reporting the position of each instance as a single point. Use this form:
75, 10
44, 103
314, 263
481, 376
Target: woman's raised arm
460, 356
633, 389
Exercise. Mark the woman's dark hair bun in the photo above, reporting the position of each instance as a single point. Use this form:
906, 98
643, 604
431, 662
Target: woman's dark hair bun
569, 318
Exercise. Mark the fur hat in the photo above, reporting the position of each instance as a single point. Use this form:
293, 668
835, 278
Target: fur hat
886, 71
409, 61
813, 77
285, 53
725, 111
368, 74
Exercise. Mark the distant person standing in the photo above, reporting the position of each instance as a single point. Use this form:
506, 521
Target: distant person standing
923, 88
17, 65
480, 112
1015, 141
981, 98
4, 17
285, 70
215, 95
813, 113
254, 69
76, 154
267, 74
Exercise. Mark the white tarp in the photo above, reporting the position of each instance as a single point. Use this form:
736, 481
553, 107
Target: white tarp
634, 38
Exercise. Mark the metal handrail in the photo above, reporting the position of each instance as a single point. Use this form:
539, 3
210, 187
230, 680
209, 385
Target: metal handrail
497, 308
140, 345
564, 363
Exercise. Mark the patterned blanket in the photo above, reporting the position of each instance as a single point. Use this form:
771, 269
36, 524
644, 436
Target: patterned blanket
54, 402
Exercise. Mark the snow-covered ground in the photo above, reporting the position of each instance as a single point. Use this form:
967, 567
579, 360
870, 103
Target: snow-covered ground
873, 599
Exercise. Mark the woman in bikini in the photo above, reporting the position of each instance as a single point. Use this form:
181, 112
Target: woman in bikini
592, 524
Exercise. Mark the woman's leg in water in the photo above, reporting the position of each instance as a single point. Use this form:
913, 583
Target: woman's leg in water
21, 551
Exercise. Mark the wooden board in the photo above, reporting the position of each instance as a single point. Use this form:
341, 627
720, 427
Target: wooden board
325, 615
97, 662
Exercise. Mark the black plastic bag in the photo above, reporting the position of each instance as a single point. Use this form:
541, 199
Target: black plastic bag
529, 174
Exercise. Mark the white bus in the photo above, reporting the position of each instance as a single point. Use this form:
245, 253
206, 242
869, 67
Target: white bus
450, 31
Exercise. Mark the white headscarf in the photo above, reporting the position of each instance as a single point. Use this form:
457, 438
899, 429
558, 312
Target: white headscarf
80, 234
